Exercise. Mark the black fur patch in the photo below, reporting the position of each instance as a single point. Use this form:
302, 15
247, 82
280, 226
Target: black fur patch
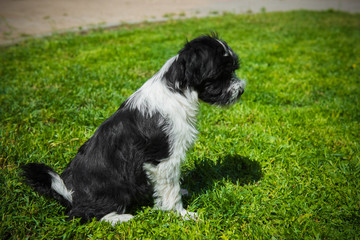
107, 173
37, 176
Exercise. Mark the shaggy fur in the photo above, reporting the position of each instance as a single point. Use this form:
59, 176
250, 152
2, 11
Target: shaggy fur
137, 152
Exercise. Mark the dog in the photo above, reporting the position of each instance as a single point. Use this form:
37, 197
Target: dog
137, 152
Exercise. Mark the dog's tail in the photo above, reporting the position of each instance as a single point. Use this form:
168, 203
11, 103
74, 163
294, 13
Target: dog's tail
46, 181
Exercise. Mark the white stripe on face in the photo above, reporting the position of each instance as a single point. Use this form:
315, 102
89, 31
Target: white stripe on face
227, 51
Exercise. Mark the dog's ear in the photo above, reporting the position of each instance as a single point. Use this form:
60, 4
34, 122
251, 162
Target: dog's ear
197, 65
175, 76
189, 69
193, 67
185, 71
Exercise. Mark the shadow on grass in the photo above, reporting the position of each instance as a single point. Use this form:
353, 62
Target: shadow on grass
237, 169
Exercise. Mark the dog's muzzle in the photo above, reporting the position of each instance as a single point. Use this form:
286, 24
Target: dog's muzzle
236, 89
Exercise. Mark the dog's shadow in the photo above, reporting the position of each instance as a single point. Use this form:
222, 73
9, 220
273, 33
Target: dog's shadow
236, 169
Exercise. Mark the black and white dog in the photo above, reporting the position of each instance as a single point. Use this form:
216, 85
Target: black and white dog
137, 152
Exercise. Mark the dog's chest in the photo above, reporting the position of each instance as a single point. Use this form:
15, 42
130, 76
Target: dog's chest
182, 131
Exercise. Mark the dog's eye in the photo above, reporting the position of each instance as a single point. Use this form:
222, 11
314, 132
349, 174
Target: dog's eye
232, 63
233, 66
236, 64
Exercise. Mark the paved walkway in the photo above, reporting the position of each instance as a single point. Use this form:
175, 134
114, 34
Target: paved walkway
23, 18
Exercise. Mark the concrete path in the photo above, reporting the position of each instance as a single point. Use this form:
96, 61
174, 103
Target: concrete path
23, 18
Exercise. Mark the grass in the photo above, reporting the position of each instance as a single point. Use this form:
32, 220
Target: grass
282, 164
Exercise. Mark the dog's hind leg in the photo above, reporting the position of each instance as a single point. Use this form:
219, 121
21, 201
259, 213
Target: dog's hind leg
115, 218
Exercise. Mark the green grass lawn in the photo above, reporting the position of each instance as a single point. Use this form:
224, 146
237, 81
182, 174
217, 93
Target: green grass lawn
283, 163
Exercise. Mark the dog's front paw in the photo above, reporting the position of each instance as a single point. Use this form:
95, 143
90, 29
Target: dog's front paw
188, 215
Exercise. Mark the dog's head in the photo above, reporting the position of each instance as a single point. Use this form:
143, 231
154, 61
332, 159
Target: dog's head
207, 65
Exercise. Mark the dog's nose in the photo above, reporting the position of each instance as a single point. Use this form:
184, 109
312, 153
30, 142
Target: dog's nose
241, 91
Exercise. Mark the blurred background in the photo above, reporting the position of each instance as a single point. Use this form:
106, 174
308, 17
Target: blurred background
23, 18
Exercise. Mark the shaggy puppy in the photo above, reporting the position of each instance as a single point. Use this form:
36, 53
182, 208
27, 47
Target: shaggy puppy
138, 151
